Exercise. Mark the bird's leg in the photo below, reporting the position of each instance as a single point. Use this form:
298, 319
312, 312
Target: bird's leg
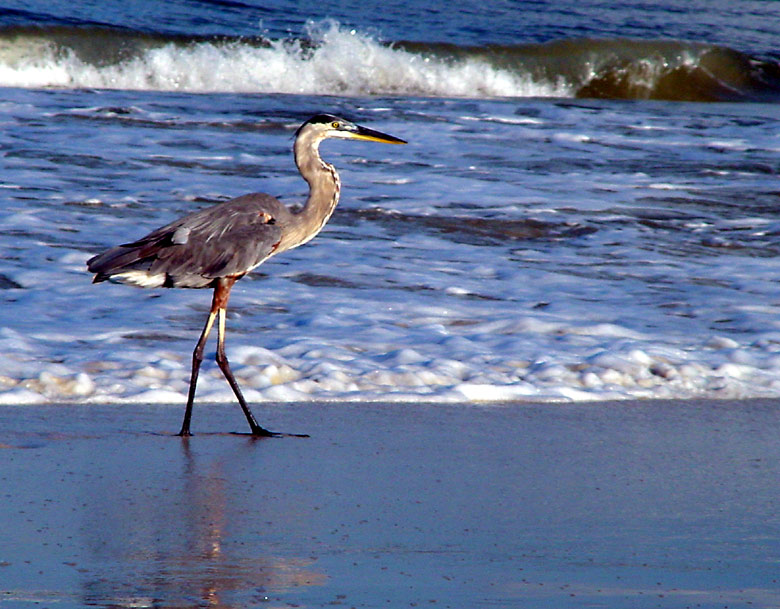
221, 295
197, 358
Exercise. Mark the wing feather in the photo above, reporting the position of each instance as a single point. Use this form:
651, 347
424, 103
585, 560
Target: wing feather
227, 239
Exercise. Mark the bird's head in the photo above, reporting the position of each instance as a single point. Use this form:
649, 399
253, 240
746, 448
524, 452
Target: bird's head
324, 126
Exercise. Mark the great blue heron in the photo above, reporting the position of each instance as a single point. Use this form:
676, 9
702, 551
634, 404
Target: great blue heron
215, 247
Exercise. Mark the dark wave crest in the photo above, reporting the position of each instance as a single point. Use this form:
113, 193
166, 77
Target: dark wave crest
629, 69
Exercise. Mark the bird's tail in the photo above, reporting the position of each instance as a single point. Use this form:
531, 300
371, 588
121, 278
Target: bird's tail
117, 260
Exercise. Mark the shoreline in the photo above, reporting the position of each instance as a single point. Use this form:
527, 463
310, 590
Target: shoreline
651, 503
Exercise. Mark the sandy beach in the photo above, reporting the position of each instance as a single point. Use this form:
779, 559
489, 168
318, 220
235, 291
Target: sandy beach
643, 504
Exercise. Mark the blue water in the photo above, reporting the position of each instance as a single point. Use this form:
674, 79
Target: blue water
560, 226
750, 26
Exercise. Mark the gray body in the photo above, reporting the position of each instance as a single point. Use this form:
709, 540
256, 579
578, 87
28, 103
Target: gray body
229, 239
191, 252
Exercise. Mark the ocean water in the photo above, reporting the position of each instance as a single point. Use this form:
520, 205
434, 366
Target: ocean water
588, 207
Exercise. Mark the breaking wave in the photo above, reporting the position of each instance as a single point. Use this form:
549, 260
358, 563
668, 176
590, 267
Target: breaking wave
332, 60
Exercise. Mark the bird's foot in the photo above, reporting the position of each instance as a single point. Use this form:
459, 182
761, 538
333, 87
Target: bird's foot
262, 432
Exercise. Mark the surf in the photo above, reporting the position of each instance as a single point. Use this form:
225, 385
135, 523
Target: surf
333, 60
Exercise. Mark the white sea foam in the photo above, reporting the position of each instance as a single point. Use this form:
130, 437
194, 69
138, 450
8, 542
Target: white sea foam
462, 286
340, 62
619, 369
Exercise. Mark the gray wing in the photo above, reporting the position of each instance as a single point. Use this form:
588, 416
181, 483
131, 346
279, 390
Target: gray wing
228, 239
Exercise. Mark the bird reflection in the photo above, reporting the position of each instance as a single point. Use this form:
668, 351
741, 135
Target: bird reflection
188, 547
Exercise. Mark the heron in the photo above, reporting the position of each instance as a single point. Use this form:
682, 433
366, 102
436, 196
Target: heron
217, 246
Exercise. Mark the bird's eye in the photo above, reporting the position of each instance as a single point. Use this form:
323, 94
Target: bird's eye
335, 124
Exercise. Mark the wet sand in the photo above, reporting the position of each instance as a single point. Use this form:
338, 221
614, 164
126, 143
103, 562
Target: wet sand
616, 505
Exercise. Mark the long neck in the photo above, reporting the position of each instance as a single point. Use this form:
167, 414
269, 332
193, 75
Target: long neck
324, 189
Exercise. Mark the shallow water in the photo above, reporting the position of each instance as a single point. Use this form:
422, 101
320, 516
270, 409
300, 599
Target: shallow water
552, 248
